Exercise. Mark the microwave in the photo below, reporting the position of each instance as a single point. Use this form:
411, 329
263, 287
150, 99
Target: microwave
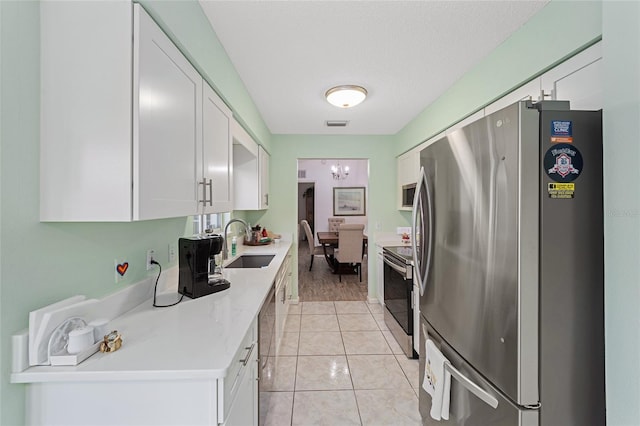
408, 191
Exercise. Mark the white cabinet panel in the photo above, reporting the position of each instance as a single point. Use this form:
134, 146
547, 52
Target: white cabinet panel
122, 120
85, 111
244, 410
167, 125
530, 91
578, 80
263, 158
217, 180
380, 275
138, 402
250, 171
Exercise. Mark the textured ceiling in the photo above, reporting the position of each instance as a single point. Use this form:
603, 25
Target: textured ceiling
405, 53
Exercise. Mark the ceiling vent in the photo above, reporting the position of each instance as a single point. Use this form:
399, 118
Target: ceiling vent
302, 174
335, 123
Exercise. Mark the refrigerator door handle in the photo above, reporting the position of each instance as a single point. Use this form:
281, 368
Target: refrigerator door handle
414, 231
470, 386
418, 209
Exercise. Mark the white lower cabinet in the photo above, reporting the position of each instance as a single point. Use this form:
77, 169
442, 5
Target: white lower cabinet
122, 402
283, 285
231, 400
243, 410
380, 275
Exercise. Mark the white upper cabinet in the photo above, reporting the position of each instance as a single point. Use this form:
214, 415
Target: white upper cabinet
263, 159
578, 80
216, 184
86, 58
529, 91
128, 129
167, 125
250, 171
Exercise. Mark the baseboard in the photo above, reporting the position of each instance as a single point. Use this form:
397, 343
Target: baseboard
372, 300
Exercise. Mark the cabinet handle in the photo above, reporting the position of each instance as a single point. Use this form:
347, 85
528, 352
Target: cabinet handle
204, 184
246, 359
266, 196
211, 192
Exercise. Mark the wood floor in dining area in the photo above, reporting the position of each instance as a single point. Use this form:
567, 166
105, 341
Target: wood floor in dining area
321, 285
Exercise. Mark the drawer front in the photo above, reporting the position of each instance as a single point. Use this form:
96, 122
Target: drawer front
238, 367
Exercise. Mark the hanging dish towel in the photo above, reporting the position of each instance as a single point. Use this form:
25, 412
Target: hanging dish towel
437, 381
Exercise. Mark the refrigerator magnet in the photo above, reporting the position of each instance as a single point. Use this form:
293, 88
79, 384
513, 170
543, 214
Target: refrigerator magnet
563, 163
561, 131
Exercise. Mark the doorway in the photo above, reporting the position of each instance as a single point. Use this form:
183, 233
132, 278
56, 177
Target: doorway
306, 206
316, 188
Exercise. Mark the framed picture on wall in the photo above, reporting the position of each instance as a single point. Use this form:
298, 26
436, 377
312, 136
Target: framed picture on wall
349, 201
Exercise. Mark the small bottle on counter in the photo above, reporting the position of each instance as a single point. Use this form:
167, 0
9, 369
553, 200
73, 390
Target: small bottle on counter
234, 241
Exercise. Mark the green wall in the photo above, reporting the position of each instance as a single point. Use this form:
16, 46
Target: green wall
621, 115
559, 30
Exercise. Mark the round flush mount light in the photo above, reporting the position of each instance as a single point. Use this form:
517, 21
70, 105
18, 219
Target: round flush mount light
346, 96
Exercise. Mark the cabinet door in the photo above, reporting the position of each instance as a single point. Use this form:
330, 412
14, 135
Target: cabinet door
263, 158
216, 183
245, 169
244, 410
85, 111
380, 276
578, 80
281, 312
167, 125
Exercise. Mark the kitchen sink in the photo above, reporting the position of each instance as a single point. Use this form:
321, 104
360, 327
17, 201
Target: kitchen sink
252, 261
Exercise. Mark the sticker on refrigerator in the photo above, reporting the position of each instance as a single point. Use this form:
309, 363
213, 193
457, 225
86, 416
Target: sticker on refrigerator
561, 131
561, 190
563, 163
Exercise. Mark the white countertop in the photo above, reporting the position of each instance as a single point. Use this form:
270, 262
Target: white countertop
389, 239
196, 339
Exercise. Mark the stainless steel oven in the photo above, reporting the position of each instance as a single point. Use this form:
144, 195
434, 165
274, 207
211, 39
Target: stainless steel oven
398, 296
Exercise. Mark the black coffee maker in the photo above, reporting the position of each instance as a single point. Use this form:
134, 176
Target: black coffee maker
199, 275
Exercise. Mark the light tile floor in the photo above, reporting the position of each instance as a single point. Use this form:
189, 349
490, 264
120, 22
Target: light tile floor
339, 365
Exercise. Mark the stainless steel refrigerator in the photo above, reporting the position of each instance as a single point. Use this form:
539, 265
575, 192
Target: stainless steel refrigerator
508, 252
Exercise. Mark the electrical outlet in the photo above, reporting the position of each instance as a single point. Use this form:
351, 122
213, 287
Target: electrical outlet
172, 252
150, 255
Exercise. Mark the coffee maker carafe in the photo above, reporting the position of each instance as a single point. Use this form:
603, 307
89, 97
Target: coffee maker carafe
199, 275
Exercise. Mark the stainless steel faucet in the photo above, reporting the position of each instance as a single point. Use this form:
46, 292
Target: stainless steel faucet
247, 230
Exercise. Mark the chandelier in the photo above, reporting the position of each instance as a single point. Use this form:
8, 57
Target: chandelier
339, 172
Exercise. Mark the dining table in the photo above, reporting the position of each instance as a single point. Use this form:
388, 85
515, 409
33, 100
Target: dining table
330, 239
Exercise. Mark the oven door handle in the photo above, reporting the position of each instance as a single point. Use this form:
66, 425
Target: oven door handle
395, 267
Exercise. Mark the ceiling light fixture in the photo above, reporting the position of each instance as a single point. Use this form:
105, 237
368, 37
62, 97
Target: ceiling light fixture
346, 96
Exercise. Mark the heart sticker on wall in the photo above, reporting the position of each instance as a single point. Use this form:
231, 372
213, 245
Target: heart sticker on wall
122, 268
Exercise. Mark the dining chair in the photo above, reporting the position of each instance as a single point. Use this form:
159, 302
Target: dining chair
314, 250
334, 223
349, 251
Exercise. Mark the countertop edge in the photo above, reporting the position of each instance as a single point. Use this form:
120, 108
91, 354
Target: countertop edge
221, 310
